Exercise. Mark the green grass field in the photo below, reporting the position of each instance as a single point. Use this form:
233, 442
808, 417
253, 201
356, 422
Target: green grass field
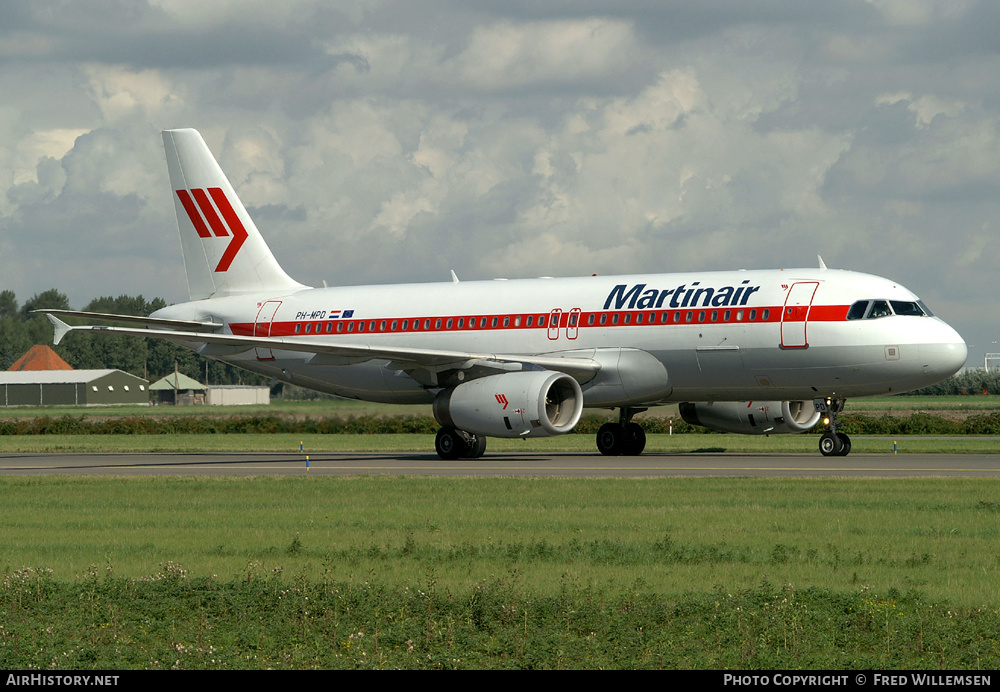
499, 572
436, 572
938, 535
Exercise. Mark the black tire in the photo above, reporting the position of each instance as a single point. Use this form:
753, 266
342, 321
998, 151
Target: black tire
830, 445
635, 439
845, 442
476, 447
449, 444
611, 439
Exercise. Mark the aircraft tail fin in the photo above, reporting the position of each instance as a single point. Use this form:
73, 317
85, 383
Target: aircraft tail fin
224, 253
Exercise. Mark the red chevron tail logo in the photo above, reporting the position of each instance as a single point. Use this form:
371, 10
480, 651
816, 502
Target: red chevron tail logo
204, 215
502, 399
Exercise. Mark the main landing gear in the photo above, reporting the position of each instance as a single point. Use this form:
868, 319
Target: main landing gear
623, 438
832, 443
453, 444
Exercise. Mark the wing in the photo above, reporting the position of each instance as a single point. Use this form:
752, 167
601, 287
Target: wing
431, 367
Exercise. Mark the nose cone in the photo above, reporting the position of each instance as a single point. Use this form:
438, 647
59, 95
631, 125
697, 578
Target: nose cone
945, 356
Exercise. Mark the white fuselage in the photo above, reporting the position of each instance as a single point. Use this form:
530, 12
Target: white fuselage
721, 336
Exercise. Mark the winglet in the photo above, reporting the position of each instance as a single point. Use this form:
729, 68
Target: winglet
454, 277
62, 329
822, 264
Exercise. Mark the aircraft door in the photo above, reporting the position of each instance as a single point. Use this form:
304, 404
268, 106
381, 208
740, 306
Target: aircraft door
262, 326
795, 315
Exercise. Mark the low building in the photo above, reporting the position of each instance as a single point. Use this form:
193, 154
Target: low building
179, 390
237, 395
72, 388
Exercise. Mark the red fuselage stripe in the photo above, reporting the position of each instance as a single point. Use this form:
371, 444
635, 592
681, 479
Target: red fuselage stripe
541, 321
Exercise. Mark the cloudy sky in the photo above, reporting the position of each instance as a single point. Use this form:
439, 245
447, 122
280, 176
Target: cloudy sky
378, 141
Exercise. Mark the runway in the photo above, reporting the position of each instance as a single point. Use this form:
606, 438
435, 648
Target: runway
504, 464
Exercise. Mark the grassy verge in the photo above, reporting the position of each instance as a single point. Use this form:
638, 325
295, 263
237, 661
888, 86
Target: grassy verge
501, 572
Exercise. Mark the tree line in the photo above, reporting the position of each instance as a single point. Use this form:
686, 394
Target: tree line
151, 359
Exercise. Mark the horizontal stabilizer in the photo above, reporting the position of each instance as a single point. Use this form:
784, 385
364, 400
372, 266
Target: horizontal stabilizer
135, 321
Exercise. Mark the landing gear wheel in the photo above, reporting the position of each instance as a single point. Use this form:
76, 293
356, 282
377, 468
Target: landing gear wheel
449, 444
611, 439
476, 448
635, 439
846, 444
615, 439
830, 445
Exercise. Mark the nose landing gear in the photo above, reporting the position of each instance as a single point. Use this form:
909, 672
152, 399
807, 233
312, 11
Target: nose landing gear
832, 443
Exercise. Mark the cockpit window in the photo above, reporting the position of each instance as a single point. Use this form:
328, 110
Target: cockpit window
880, 308
906, 308
858, 310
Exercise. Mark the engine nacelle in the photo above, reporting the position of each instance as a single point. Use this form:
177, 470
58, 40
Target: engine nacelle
514, 404
752, 417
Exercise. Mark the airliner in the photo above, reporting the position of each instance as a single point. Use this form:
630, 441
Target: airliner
752, 352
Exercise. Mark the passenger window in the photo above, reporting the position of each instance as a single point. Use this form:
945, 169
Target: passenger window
858, 310
880, 308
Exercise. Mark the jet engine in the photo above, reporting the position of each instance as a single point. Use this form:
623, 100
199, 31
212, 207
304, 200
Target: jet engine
752, 417
514, 404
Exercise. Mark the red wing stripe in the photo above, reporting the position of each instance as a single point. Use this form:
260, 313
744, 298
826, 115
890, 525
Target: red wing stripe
192, 212
209, 211
235, 225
